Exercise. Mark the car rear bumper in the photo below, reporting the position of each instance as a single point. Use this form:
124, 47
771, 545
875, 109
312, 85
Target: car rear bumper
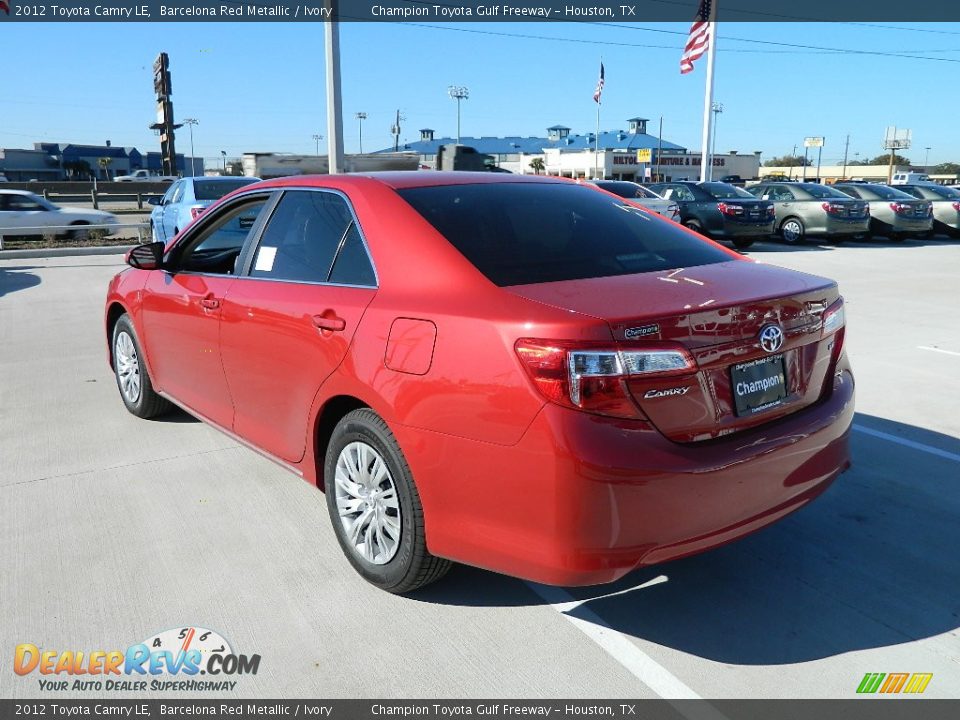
735, 228
583, 499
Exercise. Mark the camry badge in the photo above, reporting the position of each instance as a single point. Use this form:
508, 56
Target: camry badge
666, 393
771, 338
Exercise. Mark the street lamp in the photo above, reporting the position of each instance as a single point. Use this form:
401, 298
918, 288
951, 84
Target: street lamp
223, 153
318, 138
926, 159
361, 116
458, 93
716, 108
191, 122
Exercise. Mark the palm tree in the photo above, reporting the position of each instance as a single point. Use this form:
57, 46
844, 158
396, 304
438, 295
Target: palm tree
104, 163
537, 165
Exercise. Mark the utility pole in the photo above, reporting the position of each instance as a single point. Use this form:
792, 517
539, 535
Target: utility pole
395, 131
793, 155
659, 149
361, 116
846, 147
926, 158
334, 110
223, 154
317, 139
819, 156
190, 122
805, 149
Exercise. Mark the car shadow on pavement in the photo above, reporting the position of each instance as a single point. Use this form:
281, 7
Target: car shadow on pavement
775, 246
13, 278
176, 415
871, 563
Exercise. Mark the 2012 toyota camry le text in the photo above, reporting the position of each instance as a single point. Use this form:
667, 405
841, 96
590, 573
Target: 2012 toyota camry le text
519, 373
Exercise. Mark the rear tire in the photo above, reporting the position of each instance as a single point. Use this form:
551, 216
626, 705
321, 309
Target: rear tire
133, 381
374, 506
792, 230
695, 226
742, 243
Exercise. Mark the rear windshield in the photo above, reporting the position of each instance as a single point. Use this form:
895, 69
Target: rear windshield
518, 234
722, 191
944, 192
216, 189
883, 192
823, 191
627, 189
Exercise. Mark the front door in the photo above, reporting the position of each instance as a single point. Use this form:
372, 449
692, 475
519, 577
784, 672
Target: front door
181, 312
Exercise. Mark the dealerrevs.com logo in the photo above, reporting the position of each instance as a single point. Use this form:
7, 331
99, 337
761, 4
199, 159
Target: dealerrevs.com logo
894, 683
172, 660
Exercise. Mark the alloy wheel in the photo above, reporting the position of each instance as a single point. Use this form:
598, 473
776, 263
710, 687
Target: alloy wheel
367, 503
128, 366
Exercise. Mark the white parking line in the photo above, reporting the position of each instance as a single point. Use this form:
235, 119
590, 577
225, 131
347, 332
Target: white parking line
636, 661
908, 443
939, 350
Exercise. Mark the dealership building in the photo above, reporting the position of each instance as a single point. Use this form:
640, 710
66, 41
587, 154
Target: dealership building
70, 161
630, 154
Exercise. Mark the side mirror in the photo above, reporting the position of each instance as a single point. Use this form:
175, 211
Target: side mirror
146, 257
153, 201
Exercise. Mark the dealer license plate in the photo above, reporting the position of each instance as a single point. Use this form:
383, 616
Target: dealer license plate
758, 385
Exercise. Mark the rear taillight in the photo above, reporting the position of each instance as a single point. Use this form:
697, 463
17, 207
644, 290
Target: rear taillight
195, 212
592, 377
900, 208
728, 209
833, 208
771, 211
834, 323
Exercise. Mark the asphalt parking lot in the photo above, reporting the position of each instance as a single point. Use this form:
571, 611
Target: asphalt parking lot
115, 528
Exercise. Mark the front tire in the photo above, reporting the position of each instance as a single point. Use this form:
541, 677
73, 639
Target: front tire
78, 232
695, 226
374, 506
133, 381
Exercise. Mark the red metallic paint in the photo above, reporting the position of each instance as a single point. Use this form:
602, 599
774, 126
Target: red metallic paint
508, 480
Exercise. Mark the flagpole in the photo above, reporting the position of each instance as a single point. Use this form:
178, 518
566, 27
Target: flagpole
596, 140
706, 159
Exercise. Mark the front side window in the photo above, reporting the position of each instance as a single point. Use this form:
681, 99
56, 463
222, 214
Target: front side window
25, 203
216, 245
302, 238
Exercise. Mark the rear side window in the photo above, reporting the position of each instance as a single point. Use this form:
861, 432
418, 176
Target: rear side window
216, 189
302, 237
352, 266
723, 191
522, 233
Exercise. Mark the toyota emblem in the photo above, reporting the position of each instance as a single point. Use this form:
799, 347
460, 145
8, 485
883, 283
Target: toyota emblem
771, 338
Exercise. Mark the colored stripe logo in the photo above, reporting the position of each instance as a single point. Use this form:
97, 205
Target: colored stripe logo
892, 683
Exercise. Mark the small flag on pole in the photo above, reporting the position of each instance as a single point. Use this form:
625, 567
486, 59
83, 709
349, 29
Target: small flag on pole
596, 93
699, 39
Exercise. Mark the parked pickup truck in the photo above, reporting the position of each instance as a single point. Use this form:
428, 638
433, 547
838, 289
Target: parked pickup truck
144, 176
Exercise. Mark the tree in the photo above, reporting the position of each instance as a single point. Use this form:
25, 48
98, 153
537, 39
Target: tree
537, 165
77, 168
885, 160
104, 164
948, 168
788, 161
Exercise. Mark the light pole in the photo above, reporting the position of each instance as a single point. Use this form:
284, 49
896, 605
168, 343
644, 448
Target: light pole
361, 116
926, 158
458, 93
191, 122
318, 138
223, 154
716, 108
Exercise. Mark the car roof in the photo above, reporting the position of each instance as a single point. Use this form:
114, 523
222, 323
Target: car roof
401, 180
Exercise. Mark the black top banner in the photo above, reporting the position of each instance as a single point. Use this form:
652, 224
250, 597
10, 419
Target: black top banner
452, 11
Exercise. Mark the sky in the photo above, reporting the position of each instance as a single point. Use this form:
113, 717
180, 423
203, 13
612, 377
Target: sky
260, 87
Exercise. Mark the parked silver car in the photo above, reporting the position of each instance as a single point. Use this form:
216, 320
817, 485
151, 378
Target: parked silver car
946, 205
893, 213
639, 195
805, 209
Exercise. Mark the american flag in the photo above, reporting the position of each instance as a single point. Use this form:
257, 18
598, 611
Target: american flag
4, 6
699, 38
596, 93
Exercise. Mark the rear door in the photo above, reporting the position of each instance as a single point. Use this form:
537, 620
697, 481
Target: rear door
290, 317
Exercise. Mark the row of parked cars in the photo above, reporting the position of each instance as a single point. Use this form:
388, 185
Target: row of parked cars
794, 211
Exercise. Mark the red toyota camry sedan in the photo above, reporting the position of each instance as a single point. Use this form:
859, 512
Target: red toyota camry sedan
518, 373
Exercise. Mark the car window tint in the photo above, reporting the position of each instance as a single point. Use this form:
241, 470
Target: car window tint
23, 203
178, 193
302, 237
168, 195
779, 193
216, 189
520, 233
723, 191
352, 266
916, 192
218, 244
850, 191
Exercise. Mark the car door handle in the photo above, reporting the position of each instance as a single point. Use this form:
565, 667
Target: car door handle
210, 303
329, 320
